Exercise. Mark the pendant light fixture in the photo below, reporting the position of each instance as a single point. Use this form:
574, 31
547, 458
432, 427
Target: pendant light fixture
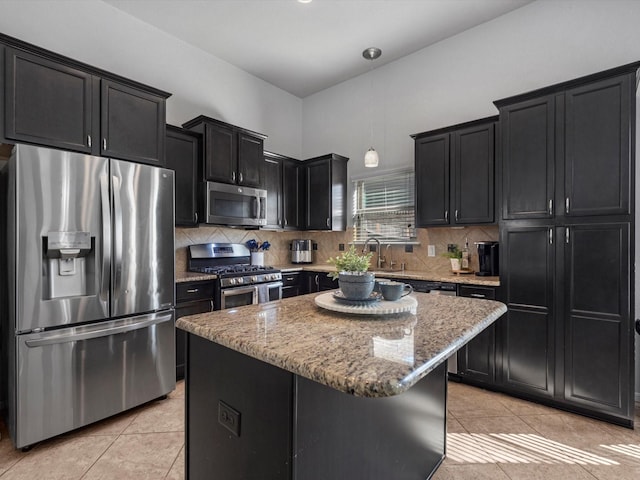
371, 157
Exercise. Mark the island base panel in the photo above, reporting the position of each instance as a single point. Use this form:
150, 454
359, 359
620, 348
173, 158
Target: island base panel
340, 436
218, 378
294, 428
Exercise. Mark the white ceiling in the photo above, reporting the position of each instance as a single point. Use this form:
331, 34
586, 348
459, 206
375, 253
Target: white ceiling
305, 48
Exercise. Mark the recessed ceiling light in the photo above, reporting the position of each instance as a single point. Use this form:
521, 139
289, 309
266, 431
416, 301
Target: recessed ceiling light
305, 1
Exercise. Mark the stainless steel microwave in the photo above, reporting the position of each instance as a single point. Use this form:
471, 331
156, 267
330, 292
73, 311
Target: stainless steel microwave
235, 205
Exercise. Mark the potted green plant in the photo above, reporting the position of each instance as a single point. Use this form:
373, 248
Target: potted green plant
351, 271
455, 256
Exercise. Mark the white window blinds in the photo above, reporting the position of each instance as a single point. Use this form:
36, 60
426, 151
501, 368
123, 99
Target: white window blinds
383, 207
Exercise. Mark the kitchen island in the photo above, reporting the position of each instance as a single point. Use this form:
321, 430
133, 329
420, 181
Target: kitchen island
287, 390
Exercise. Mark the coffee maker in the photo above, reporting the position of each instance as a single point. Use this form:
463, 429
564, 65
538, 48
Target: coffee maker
301, 251
488, 258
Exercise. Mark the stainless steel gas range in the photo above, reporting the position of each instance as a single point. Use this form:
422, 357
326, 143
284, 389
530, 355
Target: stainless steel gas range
239, 283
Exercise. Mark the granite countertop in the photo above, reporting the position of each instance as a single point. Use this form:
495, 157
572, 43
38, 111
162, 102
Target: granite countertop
194, 277
369, 356
468, 279
398, 274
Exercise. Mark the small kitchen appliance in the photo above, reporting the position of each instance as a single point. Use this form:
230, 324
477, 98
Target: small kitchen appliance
488, 258
301, 251
238, 282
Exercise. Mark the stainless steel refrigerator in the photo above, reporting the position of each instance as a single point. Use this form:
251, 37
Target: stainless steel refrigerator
89, 330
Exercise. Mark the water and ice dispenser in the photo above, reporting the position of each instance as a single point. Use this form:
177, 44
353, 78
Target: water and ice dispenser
66, 265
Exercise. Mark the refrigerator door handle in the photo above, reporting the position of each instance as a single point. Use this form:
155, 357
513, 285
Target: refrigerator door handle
117, 237
98, 331
106, 239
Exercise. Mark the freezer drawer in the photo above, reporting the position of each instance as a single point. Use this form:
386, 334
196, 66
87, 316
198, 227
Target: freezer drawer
71, 377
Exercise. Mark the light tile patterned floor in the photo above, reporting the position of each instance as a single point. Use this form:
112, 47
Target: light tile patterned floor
491, 436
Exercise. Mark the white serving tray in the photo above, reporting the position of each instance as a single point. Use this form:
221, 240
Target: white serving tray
380, 307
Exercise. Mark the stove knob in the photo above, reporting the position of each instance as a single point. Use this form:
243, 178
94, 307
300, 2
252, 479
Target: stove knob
254, 278
240, 280
271, 277
232, 281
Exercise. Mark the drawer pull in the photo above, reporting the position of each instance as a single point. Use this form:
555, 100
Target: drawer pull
290, 279
478, 295
193, 290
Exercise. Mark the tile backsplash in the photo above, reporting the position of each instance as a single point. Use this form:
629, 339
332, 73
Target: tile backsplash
328, 244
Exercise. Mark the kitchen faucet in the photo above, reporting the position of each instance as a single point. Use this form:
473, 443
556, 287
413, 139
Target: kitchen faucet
364, 249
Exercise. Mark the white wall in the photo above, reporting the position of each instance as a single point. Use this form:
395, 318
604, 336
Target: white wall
100, 35
456, 80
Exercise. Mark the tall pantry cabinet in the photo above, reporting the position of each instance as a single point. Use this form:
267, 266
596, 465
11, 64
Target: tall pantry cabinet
567, 231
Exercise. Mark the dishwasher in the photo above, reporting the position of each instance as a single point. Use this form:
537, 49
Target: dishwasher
439, 288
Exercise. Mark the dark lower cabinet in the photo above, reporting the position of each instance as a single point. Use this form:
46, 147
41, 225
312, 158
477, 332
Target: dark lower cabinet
567, 337
191, 298
183, 155
477, 359
291, 284
599, 336
318, 282
527, 266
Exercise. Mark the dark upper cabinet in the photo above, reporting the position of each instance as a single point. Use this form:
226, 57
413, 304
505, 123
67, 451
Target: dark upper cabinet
220, 155
132, 124
293, 194
250, 160
454, 170
326, 192
231, 154
528, 152
598, 328
182, 156
473, 174
432, 180
273, 184
284, 182
566, 150
597, 126
47, 102
54, 102
527, 272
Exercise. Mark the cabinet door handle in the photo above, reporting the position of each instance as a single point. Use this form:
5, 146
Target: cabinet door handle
446, 215
212, 305
240, 178
551, 236
566, 205
317, 280
196, 216
566, 234
233, 177
89, 141
286, 222
193, 290
478, 295
328, 222
104, 143
456, 215
550, 206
